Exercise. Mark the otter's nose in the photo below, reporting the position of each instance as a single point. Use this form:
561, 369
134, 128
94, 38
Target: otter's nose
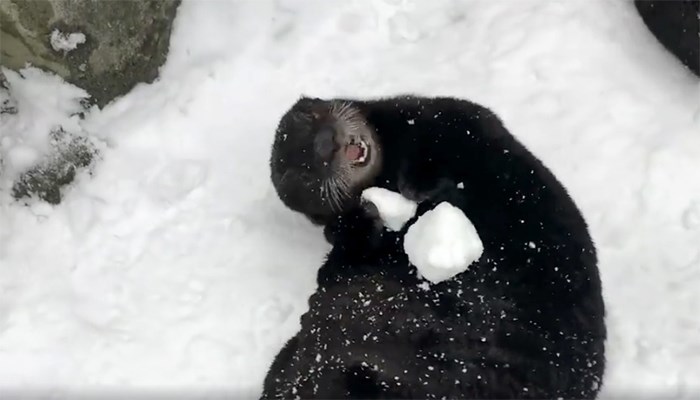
324, 143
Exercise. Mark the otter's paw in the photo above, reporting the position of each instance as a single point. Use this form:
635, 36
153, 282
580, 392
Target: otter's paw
444, 191
393, 209
357, 227
422, 190
442, 243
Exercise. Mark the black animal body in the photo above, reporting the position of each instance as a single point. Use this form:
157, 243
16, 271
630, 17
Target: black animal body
524, 321
676, 25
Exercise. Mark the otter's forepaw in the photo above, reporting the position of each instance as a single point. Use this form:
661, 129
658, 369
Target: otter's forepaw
419, 190
443, 190
411, 190
359, 226
392, 208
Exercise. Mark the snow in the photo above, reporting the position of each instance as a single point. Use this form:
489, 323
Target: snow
394, 209
43, 101
66, 41
174, 268
442, 243
21, 156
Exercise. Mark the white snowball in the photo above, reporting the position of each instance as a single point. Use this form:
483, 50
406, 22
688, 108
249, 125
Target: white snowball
394, 209
442, 243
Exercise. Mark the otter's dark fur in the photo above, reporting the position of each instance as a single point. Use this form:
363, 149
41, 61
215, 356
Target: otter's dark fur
676, 25
524, 321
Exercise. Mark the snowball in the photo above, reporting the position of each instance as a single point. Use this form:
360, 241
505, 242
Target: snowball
66, 42
394, 209
442, 243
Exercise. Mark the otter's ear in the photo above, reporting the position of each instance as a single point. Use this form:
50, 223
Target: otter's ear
303, 105
305, 100
276, 177
308, 101
287, 188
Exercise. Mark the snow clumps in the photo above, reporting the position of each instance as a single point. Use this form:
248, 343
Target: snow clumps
441, 243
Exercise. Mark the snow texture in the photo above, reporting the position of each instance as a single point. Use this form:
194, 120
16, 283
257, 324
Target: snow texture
43, 102
66, 41
394, 209
175, 268
442, 243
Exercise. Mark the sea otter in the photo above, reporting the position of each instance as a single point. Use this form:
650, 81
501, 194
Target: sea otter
524, 321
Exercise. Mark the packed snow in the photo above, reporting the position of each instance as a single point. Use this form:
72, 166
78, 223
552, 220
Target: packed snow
43, 101
174, 268
66, 42
394, 209
442, 243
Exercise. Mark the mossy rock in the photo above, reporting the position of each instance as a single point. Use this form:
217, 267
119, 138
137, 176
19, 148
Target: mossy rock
7, 103
125, 42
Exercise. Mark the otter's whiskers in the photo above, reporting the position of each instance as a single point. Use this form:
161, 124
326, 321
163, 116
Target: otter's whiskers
336, 189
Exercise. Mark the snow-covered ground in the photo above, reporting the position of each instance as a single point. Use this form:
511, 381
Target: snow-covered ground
174, 268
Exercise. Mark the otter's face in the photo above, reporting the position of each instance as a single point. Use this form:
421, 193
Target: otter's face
325, 153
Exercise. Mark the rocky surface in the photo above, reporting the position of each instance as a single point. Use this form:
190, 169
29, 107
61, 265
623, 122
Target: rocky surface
104, 47
7, 103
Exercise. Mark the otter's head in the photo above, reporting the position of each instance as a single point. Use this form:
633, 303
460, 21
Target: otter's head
324, 154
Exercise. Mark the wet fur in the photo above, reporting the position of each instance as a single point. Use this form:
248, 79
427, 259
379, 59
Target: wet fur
522, 322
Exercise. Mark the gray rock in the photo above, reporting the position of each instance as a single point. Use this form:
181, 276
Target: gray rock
7, 103
114, 44
105, 47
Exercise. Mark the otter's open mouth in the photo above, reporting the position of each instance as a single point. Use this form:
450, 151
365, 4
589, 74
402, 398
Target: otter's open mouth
357, 151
